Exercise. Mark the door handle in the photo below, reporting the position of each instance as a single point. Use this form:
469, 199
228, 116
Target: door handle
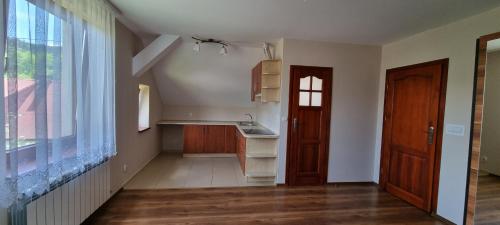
294, 124
430, 135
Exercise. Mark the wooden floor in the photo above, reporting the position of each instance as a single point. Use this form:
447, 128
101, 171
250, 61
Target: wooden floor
342, 204
488, 201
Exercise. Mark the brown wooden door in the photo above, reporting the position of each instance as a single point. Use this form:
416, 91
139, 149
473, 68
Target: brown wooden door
413, 104
309, 125
215, 136
194, 138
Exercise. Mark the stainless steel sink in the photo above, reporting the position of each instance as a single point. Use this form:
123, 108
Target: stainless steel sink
247, 123
258, 131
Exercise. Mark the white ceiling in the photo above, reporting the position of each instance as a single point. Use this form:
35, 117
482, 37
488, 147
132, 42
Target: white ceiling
349, 21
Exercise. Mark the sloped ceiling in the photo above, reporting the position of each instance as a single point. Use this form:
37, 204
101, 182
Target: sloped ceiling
206, 78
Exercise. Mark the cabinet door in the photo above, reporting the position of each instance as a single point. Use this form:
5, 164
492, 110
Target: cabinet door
230, 141
214, 139
256, 80
241, 142
194, 138
252, 88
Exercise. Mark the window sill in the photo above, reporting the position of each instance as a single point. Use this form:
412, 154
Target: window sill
143, 129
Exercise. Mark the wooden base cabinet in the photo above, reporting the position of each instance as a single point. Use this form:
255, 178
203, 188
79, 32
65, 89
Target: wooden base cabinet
215, 137
194, 138
230, 140
200, 139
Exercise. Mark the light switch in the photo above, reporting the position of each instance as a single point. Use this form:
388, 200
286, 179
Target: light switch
455, 129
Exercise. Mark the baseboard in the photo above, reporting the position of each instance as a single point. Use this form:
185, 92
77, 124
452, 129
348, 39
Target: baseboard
370, 183
209, 155
172, 151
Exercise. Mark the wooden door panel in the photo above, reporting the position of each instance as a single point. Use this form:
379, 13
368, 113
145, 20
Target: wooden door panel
308, 159
412, 101
309, 119
215, 139
309, 125
402, 163
194, 138
411, 119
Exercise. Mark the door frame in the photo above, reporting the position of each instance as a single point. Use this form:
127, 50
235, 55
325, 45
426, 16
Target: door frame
476, 124
439, 128
289, 123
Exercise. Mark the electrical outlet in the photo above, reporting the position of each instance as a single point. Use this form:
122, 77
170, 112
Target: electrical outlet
124, 168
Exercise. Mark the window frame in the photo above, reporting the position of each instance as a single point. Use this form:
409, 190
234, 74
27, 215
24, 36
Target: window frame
144, 89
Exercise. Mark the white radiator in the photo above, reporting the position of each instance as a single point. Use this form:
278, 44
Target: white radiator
72, 202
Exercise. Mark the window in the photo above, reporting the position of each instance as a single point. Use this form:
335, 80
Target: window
143, 107
310, 91
21, 70
58, 109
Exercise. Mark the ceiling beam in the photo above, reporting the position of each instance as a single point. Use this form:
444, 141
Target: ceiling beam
152, 53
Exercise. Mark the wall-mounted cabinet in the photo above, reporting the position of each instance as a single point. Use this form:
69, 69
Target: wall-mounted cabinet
266, 81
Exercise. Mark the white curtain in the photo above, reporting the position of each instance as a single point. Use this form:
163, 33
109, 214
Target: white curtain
59, 86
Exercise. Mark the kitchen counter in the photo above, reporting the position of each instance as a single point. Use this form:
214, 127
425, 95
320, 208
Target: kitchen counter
223, 123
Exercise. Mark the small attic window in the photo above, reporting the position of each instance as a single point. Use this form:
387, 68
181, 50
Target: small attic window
143, 107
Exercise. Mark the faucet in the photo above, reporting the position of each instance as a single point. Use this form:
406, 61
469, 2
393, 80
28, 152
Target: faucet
250, 116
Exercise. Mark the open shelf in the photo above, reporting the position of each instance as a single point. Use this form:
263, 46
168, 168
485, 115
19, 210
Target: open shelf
260, 174
270, 87
266, 81
261, 155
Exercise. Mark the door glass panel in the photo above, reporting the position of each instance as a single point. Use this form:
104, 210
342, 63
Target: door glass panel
304, 98
317, 84
305, 83
316, 99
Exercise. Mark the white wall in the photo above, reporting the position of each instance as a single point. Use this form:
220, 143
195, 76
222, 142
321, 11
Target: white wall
457, 42
216, 113
134, 149
354, 104
490, 143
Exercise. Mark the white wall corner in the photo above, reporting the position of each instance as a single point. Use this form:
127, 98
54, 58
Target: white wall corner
152, 53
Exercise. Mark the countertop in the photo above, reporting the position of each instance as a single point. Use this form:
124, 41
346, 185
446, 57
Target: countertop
227, 123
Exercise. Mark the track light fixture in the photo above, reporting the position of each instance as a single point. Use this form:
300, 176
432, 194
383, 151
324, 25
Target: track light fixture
196, 47
199, 41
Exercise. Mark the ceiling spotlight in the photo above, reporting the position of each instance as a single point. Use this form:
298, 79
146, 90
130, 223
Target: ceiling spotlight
196, 47
223, 50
